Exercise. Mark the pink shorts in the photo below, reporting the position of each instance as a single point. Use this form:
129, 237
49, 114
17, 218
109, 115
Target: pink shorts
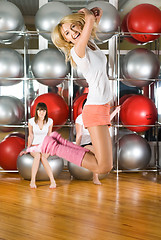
95, 115
34, 148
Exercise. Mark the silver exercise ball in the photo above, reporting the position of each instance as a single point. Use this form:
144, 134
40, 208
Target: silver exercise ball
110, 20
11, 19
11, 66
134, 152
49, 64
139, 66
24, 165
122, 132
81, 173
11, 111
48, 16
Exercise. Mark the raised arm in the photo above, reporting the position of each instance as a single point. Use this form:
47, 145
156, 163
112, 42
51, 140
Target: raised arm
81, 44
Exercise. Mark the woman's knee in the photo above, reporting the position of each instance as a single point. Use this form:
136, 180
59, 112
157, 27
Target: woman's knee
102, 169
37, 156
44, 157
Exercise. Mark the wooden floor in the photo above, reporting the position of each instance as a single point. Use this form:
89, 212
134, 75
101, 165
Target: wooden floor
125, 207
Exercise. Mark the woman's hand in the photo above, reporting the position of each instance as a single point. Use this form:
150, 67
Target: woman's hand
86, 12
97, 12
22, 153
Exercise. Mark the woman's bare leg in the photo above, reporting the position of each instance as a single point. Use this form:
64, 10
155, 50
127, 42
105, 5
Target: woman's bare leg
102, 144
34, 169
48, 169
95, 175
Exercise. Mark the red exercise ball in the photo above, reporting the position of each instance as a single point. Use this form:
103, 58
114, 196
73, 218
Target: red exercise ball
9, 150
57, 108
144, 18
124, 97
124, 28
17, 134
138, 110
77, 105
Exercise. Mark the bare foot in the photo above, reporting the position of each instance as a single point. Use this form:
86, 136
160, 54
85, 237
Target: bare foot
96, 179
52, 185
33, 185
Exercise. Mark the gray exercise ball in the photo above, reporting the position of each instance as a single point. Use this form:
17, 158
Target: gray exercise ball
49, 64
48, 16
110, 20
134, 152
11, 111
11, 66
24, 165
122, 132
11, 19
139, 66
81, 173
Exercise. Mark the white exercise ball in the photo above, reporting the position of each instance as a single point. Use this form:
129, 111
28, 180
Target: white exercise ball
11, 19
11, 66
81, 173
134, 152
48, 16
24, 166
49, 64
139, 66
11, 112
109, 22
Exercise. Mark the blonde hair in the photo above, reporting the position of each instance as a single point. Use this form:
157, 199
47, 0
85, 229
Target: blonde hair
60, 42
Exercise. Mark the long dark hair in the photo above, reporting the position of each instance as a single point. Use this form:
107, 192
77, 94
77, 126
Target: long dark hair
41, 106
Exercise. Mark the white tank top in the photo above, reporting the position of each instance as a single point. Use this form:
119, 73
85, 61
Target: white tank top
94, 69
39, 134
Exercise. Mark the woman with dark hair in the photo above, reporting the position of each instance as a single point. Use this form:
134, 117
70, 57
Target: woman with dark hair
39, 127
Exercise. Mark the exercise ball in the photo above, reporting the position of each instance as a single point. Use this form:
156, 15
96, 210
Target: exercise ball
127, 6
11, 20
77, 105
109, 22
122, 132
57, 108
24, 165
11, 111
128, 36
10, 149
124, 97
48, 64
138, 110
144, 18
139, 66
11, 66
134, 152
81, 173
48, 16
16, 134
